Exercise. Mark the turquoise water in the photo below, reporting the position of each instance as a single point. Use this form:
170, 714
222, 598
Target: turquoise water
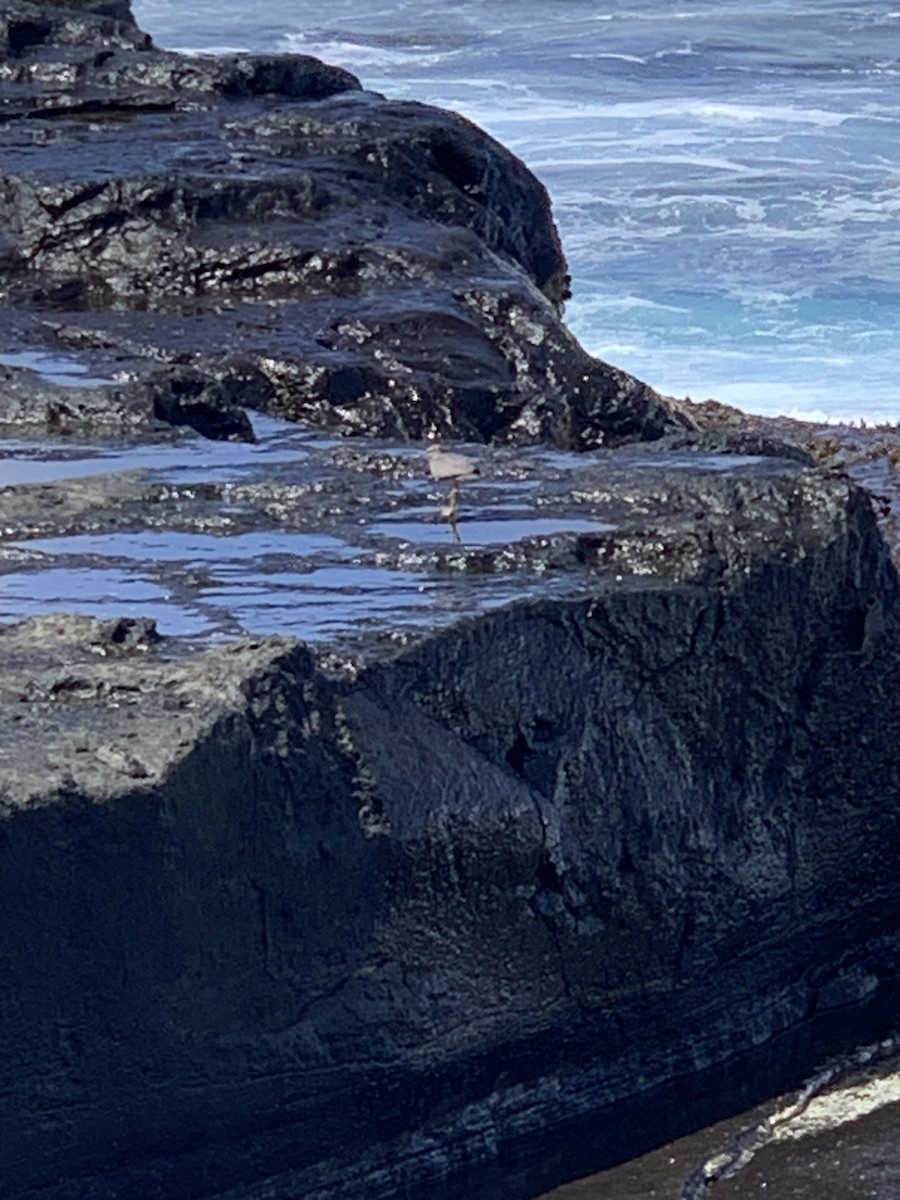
726, 176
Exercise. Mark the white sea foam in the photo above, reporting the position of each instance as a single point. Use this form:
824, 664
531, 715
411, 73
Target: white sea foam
613, 351
684, 51
780, 113
598, 304
357, 56
682, 110
212, 51
537, 163
599, 57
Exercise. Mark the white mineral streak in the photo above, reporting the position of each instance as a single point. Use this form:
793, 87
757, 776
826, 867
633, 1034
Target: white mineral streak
838, 1108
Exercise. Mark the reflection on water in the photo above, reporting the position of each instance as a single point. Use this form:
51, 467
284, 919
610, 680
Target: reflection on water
104, 593
60, 369
169, 546
310, 585
45, 461
497, 530
323, 602
315, 585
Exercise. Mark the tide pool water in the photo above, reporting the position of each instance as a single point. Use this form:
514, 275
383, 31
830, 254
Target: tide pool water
726, 176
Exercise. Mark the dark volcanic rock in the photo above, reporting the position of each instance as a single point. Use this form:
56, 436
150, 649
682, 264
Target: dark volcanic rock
388, 267
274, 931
162, 399
607, 806
30, 33
119, 10
187, 397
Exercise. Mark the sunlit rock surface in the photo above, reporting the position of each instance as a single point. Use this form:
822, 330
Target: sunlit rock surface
375, 267
347, 851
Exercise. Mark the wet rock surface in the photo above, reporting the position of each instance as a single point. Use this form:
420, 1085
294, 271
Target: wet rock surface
345, 850
368, 266
335, 542
299, 973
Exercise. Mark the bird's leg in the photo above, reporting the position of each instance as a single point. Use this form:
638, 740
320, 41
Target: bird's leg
448, 512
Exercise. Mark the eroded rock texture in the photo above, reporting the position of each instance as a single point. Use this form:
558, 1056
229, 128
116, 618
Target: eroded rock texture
272, 932
429, 913
385, 267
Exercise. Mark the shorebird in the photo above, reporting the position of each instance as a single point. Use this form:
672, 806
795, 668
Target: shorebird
444, 464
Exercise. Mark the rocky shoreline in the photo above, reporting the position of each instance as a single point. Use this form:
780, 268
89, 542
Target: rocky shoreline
529, 843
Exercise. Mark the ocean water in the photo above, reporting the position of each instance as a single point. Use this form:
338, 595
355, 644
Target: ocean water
725, 175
